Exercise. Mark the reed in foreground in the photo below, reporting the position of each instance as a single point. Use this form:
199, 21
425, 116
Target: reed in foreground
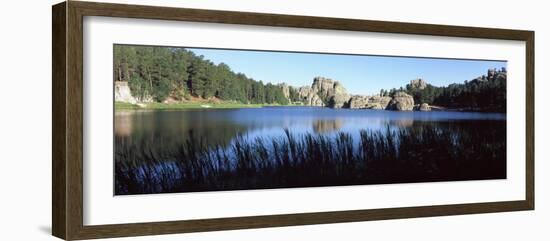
423, 154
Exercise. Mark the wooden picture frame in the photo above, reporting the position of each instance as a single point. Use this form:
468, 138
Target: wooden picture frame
67, 150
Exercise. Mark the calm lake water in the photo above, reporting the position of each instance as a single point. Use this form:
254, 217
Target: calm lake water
236, 149
221, 126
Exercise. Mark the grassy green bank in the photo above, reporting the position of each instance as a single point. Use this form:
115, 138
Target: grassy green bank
185, 105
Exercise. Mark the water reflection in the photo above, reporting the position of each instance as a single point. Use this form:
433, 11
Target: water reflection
236, 149
402, 122
221, 126
123, 123
327, 126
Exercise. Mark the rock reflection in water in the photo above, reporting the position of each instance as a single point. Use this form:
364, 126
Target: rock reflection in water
327, 126
402, 122
123, 123
212, 127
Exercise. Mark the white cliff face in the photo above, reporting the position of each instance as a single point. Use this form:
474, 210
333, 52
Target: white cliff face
123, 93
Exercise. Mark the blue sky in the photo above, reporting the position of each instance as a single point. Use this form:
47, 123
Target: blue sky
359, 74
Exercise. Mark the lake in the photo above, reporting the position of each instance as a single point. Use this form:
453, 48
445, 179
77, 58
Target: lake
221, 126
443, 144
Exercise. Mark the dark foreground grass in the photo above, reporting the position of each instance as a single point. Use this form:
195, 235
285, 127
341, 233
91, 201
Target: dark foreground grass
402, 155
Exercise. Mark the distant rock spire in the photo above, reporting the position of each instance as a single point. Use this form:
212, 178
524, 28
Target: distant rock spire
418, 84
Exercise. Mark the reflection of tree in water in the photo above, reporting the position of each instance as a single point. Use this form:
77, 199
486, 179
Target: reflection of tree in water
166, 130
423, 152
327, 125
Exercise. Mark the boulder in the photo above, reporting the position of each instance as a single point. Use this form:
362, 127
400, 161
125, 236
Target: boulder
401, 101
425, 107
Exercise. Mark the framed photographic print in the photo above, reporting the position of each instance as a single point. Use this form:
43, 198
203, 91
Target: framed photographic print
171, 120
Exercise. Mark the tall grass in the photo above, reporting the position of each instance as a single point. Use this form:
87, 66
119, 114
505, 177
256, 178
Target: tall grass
422, 154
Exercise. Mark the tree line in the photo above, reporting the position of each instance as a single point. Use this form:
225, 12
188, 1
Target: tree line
486, 93
162, 72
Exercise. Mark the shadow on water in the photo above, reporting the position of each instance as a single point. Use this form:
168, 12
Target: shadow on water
399, 152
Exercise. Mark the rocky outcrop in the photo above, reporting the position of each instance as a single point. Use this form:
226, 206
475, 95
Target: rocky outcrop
316, 101
309, 97
401, 101
324, 92
286, 90
324, 87
339, 101
418, 84
331, 93
358, 102
424, 107
378, 102
123, 93
339, 97
492, 75
375, 106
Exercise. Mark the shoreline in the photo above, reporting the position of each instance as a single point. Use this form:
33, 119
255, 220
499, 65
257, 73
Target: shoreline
188, 105
233, 105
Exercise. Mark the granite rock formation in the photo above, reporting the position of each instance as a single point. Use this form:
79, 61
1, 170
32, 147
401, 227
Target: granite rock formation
358, 102
324, 92
424, 107
330, 93
286, 90
379, 102
401, 101
309, 97
418, 84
